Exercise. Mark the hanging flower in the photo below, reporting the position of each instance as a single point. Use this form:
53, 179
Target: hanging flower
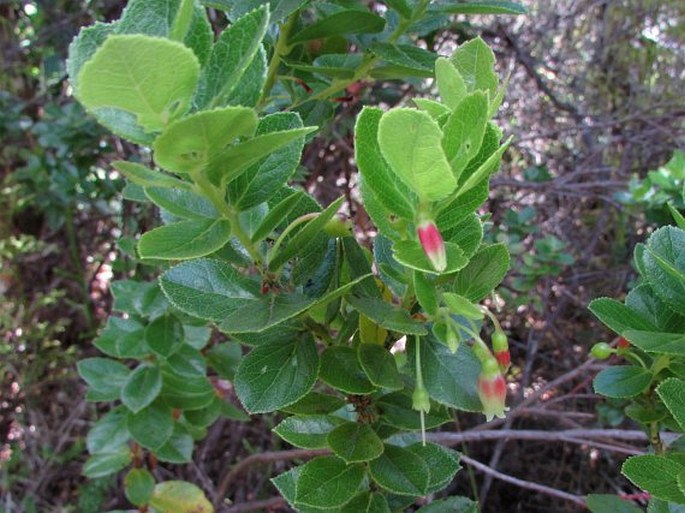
432, 244
492, 390
500, 346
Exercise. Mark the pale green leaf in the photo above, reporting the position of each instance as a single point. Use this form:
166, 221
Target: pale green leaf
131, 73
475, 62
410, 141
186, 239
464, 131
411, 254
451, 85
182, 203
143, 175
180, 497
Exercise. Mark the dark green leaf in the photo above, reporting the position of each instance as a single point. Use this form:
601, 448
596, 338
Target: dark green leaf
327, 482
481, 7
672, 393
387, 315
224, 358
610, 504
277, 374
442, 462
104, 464
379, 366
664, 266
656, 342
138, 486
450, 505
307, 431
179, 447
622, 381
315, 403
355, 442
400, 471
343, 22
109, 433
141, 388
152, 426
340, 368
483, 273
619, 317
180, 203
657, 475
164, 335
396, 410
104, 376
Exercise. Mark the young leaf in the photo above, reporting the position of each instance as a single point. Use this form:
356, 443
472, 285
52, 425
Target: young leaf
484, 171
190, 143
464, 130
410, 141
411, 254
622, 381
277, 374
451, 85
400, 471
378, 179
343, 22
657, 475
231, 57
475, 62
327, 482
141, 388
185, 240
459, 305
355, 442
146, 86
307, 431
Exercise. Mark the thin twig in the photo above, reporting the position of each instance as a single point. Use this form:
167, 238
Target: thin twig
524, 484
273, 502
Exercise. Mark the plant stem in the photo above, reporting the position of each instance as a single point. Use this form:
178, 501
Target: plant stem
281, 49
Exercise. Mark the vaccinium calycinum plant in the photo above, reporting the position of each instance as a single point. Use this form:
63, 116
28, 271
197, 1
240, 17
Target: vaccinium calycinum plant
275, 275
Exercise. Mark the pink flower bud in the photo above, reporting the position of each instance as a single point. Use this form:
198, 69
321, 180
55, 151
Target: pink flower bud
432, 243
492, 390
500, 346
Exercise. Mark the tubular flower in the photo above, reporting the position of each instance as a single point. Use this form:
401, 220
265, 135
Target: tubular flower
432, 244
492, 390
500, 346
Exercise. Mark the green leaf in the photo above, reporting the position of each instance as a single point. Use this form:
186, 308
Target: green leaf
643, 300
672, 393
340, 369
307, 431
459, 305
343, 22
482, 7
315, 403
248, 90
442, 462
141, 388
231, 57
84, 46
275, 216
264, 179
333, 65
401, 6
327, 482
450, 505
185, 240
411, 254
355, 442
224, 358
104, 376
664, 267
484, 272
179, 447
379, 366
475, 62
409, 57
483, 172
146, 86
122, 338
186, 393
300, 242
180, 203
143, 175
655, 342
622, 381
164, 335
182, 20
601, 503
104, 464
109, 433
377, 175
396, 410
464, 130
451, 85
400, 471
234, 160
467, 234
152, 426
277, 374
424, 289
387, 315
436, 109
619, 317
449, 378
180, 497
138, 486
410, 141
656, 475
190, 143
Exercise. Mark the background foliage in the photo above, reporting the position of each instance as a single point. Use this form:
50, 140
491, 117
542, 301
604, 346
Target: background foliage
594, 102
